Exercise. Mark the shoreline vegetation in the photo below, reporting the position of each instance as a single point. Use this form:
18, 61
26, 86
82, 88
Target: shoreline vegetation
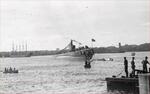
109, 49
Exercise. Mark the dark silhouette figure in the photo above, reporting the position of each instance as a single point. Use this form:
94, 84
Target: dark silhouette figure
10, 69
133, 66
5, 70
126, 66
88, 54
87, 64
145, 62
88, 58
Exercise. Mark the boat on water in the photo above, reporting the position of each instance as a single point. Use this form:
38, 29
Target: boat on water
10, 70
103, 59
20, 54
82, 52
19, 51
16, 71
133, 54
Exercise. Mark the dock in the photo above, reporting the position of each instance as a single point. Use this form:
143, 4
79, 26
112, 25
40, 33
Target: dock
126, 85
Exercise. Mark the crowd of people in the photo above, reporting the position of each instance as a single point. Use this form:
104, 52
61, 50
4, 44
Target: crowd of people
88, 58
88, 54
132, 74
10, 70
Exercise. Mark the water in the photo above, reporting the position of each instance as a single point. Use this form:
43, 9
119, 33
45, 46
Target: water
51, 75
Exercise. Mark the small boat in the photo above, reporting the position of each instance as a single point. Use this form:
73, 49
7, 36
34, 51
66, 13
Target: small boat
87, 66
133, 54
110, 59
102, 59
16, 71
10, 71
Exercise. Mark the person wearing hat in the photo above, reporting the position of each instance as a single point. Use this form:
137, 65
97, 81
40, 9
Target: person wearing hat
126, 66
145, 62
133, 66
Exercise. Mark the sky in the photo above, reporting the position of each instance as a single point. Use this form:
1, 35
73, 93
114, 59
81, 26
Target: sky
49, 24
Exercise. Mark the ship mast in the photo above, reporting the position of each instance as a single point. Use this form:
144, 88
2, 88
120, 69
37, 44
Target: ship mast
19, 48
26, 46
22, 47
13, 47
16, 48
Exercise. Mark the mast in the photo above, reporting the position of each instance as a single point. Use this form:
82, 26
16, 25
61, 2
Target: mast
26, 46
13, 47
19, 47
16, 48
22, 47
71, 44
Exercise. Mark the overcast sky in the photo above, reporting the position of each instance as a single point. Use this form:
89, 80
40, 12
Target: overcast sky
47, 24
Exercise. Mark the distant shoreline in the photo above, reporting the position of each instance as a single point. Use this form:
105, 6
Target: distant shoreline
123, 52
7, 53
111, 49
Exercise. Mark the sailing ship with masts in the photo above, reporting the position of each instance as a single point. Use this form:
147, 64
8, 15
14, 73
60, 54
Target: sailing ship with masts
19, 51
79, 52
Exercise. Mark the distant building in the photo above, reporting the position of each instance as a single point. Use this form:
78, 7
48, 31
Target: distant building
120, 48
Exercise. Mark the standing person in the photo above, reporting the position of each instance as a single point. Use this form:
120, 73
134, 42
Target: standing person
10, 69
145, 62
14, 69
126, 66
133, 66
5, 70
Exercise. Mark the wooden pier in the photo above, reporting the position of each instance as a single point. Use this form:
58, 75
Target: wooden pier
126, 85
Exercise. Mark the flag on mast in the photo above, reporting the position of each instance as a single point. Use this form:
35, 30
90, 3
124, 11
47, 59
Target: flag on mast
93, 40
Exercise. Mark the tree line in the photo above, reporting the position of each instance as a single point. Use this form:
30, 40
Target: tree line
124, 48
110, 49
